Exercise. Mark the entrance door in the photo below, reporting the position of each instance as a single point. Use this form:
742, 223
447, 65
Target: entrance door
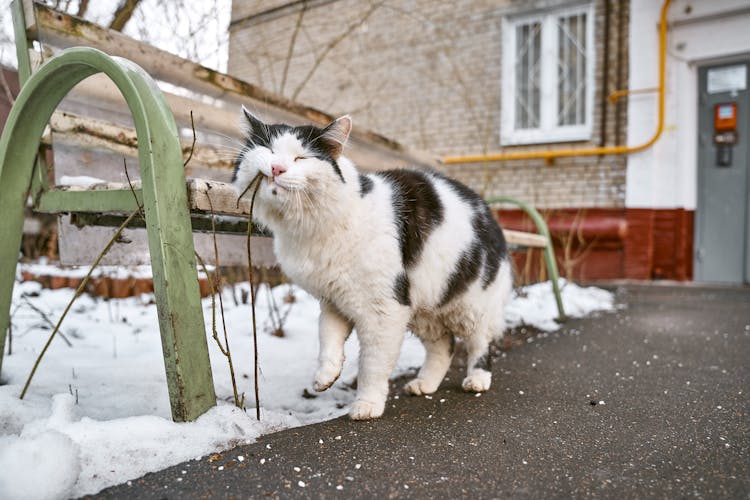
722, 233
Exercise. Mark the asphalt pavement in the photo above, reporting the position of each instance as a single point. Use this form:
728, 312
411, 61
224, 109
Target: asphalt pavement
648, 402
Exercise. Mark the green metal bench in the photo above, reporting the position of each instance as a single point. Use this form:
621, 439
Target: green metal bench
163, 196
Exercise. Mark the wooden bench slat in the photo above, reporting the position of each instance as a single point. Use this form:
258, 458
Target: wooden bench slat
204, 196
117, 197
532, 240
86, 133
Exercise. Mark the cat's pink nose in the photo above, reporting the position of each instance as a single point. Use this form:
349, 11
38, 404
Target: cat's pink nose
277, 170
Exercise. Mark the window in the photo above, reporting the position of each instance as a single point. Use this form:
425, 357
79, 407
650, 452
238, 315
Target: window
547, 88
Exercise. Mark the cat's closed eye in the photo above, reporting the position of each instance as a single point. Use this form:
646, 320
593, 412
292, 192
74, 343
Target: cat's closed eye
301, 158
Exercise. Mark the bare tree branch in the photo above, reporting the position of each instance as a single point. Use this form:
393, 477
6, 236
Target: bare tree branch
82, 8
292, 43
123, 14
332, 45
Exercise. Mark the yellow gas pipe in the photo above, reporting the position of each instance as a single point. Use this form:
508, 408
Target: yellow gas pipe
607, 150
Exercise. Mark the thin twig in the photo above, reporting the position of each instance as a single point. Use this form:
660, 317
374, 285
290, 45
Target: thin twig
132, 189
257, 181
78, 292
238, 401
46, 319
244, 192
192, 146
213, 303
10, 330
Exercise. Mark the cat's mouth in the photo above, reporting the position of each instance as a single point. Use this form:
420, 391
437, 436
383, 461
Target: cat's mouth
274, 186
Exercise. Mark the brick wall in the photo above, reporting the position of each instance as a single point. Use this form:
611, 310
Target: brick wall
427, 74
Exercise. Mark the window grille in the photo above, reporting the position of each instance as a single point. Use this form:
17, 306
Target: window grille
547, 87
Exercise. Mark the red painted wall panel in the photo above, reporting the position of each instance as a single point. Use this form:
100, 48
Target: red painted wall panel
601, 244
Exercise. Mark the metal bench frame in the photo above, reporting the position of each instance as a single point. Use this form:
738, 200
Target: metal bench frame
163, 196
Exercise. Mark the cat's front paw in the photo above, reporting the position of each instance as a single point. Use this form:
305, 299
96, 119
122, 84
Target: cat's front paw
365, 410
419, 387
477, 381
326, 375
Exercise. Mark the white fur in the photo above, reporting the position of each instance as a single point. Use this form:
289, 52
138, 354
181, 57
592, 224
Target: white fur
344, 249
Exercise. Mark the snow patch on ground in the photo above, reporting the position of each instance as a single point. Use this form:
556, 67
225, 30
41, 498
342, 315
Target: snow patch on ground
97, 412
535, 304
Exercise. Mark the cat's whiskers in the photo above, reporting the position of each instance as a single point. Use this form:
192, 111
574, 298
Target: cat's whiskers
309, 133
300, 208
235, 140
224, 148
227, 147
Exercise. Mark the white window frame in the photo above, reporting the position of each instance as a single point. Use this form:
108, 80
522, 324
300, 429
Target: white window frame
548, 131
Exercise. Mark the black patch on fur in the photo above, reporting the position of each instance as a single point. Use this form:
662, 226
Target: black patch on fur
237, 162
452, 348
466, 271
401, 289
489, 236
365, 185
484, 362
463, 191
491, 239
313, 139
417, 208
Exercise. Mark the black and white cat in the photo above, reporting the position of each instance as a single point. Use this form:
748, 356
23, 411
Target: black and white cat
384, 252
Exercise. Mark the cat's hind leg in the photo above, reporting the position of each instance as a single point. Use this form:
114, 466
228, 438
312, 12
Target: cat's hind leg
334, 329
478, 363
438, 355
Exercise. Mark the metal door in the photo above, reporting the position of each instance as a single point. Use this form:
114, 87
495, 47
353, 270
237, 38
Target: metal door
722, 233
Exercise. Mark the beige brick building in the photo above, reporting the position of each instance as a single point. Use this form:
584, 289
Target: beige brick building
456, 78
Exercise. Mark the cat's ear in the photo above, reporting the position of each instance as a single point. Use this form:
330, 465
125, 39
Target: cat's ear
253, 124
336, 134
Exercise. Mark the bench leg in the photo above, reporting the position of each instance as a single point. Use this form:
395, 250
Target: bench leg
191, 389
549, 253
14, 185
11, 231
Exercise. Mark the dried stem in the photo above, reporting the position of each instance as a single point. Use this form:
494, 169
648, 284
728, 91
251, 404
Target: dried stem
78, 292
256, 180
213, 303
192, 146
238, 400
10, 330
132, 190
46, 319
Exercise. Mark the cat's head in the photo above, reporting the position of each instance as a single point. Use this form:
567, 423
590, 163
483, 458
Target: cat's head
299, 164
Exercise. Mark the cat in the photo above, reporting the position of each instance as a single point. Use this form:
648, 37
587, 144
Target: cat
384, 252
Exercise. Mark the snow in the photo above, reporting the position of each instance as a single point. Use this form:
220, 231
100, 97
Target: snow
97, 413
83, 181
80, 271
535, 304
